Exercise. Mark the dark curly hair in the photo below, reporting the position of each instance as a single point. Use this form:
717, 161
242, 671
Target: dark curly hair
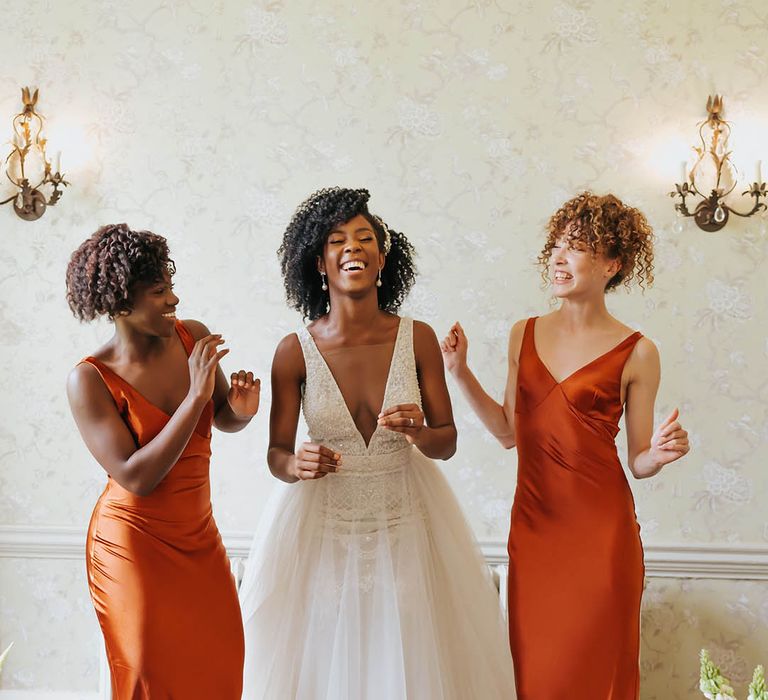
103, 272
605, 225
305, 237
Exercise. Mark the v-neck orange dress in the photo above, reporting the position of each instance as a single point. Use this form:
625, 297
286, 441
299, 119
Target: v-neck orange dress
576, 561
158, 572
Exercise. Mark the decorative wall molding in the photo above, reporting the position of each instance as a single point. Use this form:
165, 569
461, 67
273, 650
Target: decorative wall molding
716, 561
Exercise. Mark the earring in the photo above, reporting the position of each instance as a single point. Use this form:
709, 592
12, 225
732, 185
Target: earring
324, 285
378, 281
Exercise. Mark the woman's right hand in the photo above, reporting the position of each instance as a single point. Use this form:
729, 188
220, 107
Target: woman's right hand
315, 461
203, 362
454, 348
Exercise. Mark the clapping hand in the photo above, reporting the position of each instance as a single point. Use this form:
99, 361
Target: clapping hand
454, 348
244, 394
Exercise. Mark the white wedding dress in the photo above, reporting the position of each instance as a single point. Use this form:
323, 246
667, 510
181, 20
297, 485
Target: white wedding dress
367, 584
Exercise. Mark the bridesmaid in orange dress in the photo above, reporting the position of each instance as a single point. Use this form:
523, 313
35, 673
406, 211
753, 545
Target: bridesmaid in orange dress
576, 561
144, 403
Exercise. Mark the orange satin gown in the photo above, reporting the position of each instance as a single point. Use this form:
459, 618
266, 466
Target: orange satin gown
158, 572
576, 561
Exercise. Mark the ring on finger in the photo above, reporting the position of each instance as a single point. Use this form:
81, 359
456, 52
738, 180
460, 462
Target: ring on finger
412, 421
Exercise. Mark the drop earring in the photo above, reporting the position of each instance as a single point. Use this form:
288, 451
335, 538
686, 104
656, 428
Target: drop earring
378, 281
324, 285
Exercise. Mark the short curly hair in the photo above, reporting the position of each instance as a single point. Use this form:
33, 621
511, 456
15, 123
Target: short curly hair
103, 272
306, 235
608, 226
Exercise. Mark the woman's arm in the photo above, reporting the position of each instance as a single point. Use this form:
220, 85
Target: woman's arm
140, 469
312, 461
236, 402
649, 451
431, 430
498, 418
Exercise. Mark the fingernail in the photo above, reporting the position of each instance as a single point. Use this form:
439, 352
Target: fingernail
337, 457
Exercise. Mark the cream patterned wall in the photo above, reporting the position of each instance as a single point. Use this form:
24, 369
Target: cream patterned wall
470, 121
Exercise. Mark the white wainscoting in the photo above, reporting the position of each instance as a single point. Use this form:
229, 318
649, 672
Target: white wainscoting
720, 561
739, 562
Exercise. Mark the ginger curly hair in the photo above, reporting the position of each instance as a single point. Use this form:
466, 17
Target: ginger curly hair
103, 272
607, 226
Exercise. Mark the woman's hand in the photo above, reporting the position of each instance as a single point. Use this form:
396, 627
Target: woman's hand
405, 418
315, 461
244, 394
669, 442
203, 362
454, 348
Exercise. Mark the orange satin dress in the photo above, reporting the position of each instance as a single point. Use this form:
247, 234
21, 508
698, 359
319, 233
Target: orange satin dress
576, 561
158, 572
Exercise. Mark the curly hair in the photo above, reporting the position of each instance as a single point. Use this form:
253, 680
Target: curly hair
305, 237
607, 226
103, 272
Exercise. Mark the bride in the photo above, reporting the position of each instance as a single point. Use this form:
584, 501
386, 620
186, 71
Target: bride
364, 582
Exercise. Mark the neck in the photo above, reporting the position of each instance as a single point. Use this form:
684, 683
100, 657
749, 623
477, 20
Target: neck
352, 315
134, 346
584, 312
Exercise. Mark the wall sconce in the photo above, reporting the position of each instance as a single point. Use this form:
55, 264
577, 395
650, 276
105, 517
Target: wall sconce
28, 160
714, 172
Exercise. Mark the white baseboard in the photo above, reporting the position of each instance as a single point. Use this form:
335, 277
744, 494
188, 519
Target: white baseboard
717, 561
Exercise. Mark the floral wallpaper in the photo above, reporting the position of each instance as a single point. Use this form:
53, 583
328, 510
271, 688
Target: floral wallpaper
470, 121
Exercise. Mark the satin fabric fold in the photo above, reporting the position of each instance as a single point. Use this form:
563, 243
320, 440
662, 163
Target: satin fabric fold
576, 560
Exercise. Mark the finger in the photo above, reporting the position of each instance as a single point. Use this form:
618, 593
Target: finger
200, 344
671, 428
397, 408
308, 476
209, 348
310, 466
214, 361
248, 380
402, 421
233, 379
241, 378
256, 386
671, 418
406, 430
674, 435
321, 449
317, 458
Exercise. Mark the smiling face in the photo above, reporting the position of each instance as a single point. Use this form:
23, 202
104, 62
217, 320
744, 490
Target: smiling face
153, 308
352, 257
575, 271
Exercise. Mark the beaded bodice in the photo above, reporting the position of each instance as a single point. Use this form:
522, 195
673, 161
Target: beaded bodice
328, 418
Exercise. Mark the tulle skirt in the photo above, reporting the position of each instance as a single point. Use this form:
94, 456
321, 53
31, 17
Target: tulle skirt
368, 585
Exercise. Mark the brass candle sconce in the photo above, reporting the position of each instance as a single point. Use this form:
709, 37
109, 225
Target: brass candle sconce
28, 162
714, 166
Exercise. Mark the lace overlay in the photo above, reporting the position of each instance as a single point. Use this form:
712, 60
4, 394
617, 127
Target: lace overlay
371, 489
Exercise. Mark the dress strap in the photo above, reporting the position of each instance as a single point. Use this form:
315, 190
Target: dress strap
187, 339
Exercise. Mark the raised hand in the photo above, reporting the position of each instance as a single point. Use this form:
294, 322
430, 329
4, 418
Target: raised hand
202, 362
670, 441
315, 461
406, 418
244, 394
454, 348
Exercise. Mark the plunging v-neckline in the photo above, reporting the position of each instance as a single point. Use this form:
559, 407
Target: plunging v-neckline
341, 394
583, 367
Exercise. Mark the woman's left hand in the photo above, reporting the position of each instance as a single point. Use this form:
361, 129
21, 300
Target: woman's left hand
406, 418
670, 441
244, 394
